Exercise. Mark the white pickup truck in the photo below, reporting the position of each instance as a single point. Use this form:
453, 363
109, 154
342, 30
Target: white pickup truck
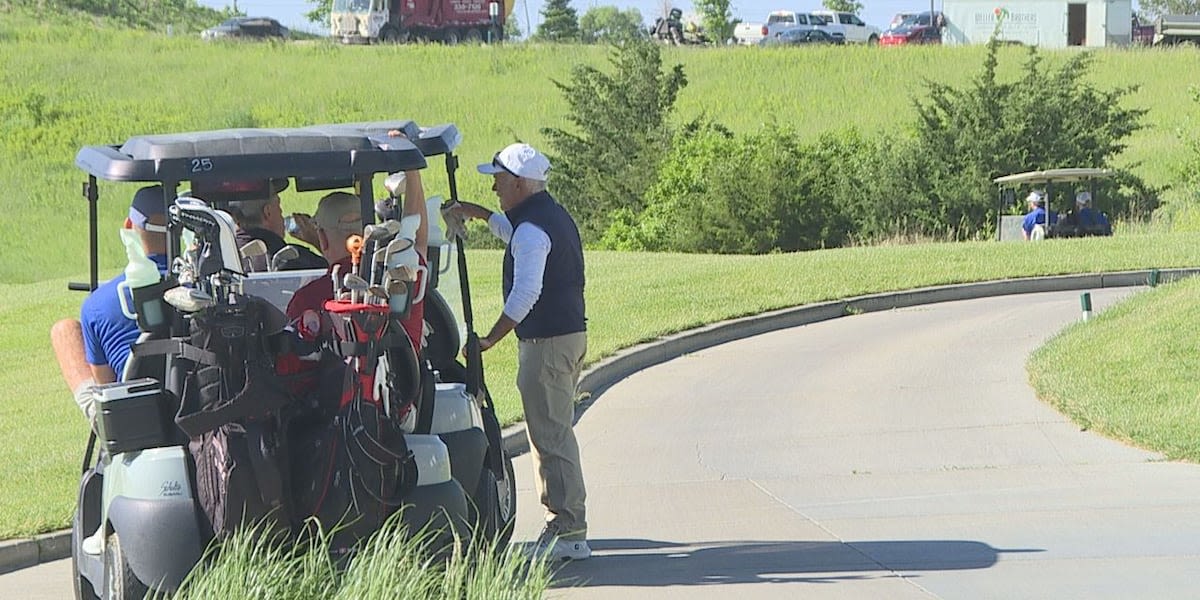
780, 20
856, 31
748, 34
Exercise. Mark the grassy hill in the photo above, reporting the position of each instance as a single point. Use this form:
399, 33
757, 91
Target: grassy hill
65, 87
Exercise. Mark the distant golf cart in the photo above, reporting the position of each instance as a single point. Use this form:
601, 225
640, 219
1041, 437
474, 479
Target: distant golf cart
1008, 226
415, 430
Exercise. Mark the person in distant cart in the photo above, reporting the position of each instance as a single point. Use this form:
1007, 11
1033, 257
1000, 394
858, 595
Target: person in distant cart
543, 281
1034, 225
1085, 220
93, 349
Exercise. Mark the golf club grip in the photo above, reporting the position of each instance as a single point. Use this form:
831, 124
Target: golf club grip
474, 363
75, 286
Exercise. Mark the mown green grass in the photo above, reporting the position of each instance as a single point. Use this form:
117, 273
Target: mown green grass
1130, 374
631, 298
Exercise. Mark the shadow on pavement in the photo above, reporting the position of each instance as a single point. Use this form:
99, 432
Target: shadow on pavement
640, 562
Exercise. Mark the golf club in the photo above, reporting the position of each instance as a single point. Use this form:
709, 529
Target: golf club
254, 256
285, 255
356, 284
188, 300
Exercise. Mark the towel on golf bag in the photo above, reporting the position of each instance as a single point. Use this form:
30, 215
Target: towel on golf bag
231, 410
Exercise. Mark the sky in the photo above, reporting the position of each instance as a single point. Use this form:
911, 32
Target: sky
877, 12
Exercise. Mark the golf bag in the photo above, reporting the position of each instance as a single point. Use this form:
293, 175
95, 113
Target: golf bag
354, 471
232, 409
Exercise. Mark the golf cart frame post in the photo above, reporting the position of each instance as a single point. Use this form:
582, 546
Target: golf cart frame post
1008, 183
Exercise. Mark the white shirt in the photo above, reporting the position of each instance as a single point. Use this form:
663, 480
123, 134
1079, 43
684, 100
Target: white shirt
530, 246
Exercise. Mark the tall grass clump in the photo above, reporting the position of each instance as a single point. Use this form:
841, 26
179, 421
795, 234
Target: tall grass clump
393, 563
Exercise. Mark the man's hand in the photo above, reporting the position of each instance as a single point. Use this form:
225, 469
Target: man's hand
306, 230
484, 344
470, 210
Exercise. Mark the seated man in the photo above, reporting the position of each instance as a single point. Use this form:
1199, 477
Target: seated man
338, 217
1034, 225
262, 219
1085, 220
94, 349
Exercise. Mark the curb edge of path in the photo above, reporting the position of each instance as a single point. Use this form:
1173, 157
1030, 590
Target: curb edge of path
29, 552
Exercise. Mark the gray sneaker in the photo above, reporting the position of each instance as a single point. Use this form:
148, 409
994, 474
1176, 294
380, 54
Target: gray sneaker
552, 546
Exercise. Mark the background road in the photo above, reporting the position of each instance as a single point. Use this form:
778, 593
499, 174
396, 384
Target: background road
896, 455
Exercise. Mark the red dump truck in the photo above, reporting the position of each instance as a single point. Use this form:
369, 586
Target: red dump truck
397, 21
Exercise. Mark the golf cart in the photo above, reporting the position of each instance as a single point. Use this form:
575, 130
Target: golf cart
1008, 226
407, 429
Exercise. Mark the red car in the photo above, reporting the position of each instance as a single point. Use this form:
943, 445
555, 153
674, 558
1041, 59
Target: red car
915, 29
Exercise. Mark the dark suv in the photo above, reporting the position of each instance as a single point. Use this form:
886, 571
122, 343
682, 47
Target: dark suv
246, 27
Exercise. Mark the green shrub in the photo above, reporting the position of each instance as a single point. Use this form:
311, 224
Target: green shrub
620, 135
753, 194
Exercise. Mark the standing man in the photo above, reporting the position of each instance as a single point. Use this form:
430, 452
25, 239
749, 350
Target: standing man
543, 302
94, 349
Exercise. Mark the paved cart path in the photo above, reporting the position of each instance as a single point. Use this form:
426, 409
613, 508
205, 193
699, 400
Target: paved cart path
897, 455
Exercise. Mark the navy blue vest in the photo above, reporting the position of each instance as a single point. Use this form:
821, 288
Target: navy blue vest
559, 310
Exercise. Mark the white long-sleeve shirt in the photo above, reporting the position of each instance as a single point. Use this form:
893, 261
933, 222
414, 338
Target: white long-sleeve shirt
530, 246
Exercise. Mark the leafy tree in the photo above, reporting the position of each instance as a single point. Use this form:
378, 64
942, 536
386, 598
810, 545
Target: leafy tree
320, 11
716, 18
850, 6
619, 133
559, 23
1154, 8
608, 24
512, 29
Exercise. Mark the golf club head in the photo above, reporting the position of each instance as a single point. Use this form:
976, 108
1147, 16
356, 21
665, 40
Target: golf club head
378, 293
215, 233
254, 255
394, 183
285, 255
387, 209
188, 300
401, 252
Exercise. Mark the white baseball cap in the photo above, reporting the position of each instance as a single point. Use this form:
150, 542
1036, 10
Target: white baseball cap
1083, 198
519, 160
1036, 197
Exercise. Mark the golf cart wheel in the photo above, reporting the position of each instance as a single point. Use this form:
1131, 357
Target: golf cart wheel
497, 505
873, 41
389, 35
451, 38
120, 582
473, 37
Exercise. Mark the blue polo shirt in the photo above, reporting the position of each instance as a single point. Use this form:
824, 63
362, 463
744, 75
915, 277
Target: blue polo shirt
107, 332
1037, 217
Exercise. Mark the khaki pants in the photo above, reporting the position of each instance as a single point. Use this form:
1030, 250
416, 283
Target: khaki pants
547, 376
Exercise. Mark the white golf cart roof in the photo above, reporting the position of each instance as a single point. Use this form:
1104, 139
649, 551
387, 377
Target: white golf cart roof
1049, 175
